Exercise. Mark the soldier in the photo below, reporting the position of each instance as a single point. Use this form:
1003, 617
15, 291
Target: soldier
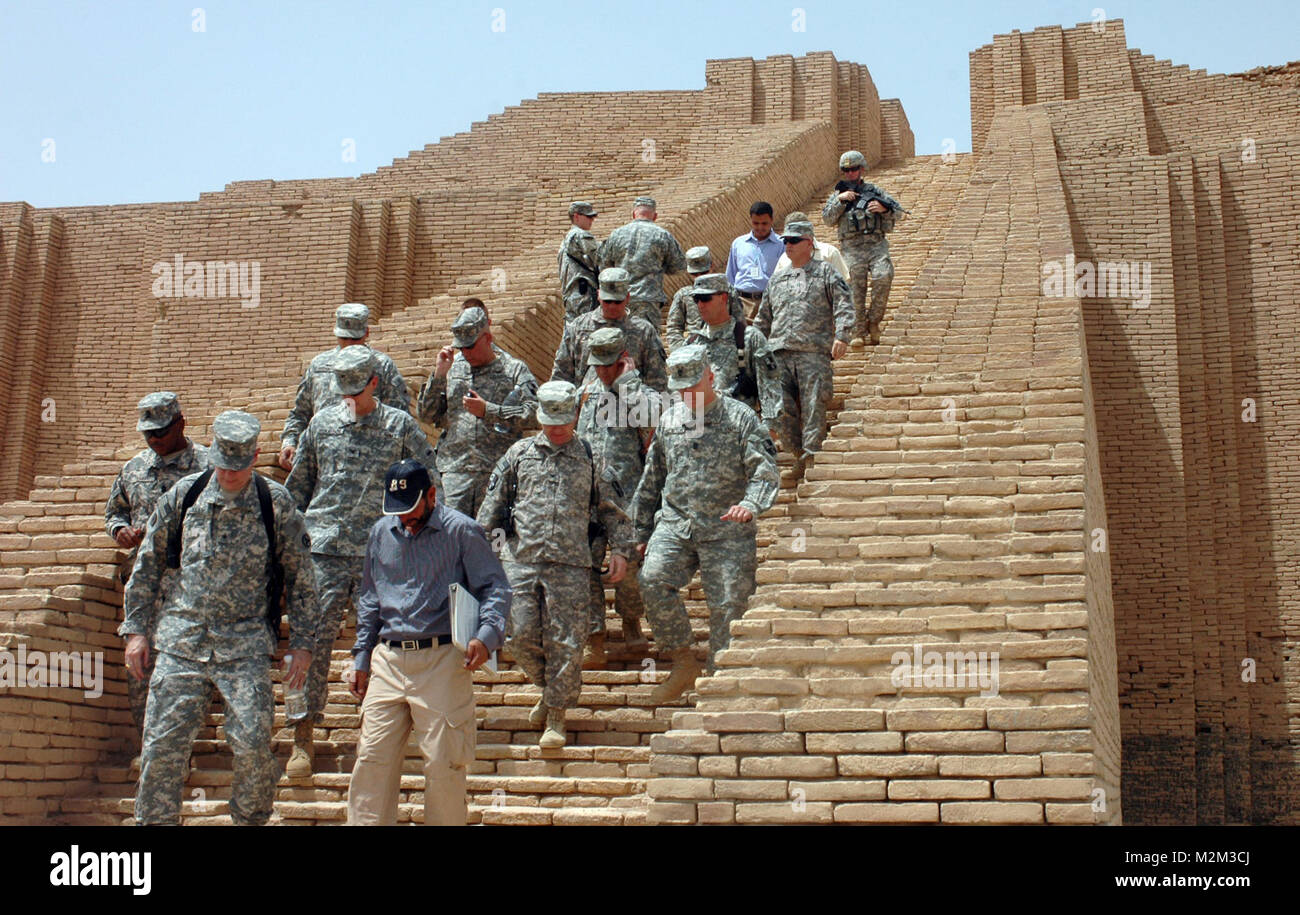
617, 415
543, 493
646, 251
642, 340
338, 483
682, 313
579, 261
482, 399
822, 250
317, 390
743, 366
710, 471
140, 483
214, 626
862, 236
807, 316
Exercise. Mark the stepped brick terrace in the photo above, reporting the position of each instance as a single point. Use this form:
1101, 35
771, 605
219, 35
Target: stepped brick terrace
1096, 481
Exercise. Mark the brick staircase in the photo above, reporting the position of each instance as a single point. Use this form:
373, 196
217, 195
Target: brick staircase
948, 512
600, 778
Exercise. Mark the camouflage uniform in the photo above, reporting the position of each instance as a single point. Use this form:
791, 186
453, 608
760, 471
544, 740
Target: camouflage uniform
211, 631
318, 390
338, 482
579, 264
546, 557
646, 251
720, 343
140, 483
693, 475
616, 421
468, 447
866, 252
684, 317
802, 313
642, 345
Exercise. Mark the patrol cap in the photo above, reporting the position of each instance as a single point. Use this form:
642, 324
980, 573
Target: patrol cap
797, 216
351, 321
234, 440
157, 411
353, 367
404, 485
686, 366
607, 344
582, 207
614, 282
557, 403
710, 284
468, 327
645, 202
797, 228
698, 259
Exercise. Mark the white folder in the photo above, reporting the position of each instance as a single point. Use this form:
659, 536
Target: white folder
465, 621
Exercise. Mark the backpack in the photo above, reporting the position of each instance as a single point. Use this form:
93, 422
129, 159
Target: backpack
275, 578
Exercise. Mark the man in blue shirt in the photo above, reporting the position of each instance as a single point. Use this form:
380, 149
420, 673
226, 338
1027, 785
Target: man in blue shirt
753, 257
406, 671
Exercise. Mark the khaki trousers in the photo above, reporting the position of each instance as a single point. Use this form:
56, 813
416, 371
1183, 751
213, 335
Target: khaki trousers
429, 691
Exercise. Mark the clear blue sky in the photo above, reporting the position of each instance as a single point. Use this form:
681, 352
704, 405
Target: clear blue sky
141, 107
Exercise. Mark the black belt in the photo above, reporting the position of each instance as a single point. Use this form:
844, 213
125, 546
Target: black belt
416, 644
745, 293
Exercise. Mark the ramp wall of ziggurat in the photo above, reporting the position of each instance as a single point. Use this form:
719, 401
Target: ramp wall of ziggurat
1091, 480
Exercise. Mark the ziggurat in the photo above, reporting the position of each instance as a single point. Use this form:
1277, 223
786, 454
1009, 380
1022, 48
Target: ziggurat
1105, 494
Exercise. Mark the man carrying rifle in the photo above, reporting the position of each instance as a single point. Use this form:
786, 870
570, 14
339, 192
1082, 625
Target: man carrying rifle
237, 542
863, 214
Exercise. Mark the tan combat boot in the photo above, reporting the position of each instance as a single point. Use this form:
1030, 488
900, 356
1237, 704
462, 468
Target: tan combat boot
537, 714
554, 736
303, 749
633, 637
873, 330
593, 655
682, 678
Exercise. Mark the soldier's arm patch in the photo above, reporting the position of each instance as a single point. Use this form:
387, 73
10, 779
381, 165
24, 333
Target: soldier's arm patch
494, 481
306, 541
769, 446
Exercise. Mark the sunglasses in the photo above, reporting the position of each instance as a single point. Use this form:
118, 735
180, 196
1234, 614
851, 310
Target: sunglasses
162, 433
793, 240
855, 168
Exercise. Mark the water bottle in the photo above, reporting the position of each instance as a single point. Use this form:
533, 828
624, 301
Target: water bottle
514, 397
295, 700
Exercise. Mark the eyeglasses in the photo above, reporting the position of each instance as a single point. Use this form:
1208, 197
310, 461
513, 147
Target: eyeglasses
161, 433
792, 240
704, 296
852, 168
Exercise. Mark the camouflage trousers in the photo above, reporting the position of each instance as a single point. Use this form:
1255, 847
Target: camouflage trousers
807, 383
727, 569
549, 615
627, 593
464, 491
178, 701
337, 581
651, 311
868, 260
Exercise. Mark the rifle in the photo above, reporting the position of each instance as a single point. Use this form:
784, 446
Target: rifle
863, 219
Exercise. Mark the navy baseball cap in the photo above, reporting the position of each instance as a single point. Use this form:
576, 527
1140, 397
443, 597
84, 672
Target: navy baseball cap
405, 484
